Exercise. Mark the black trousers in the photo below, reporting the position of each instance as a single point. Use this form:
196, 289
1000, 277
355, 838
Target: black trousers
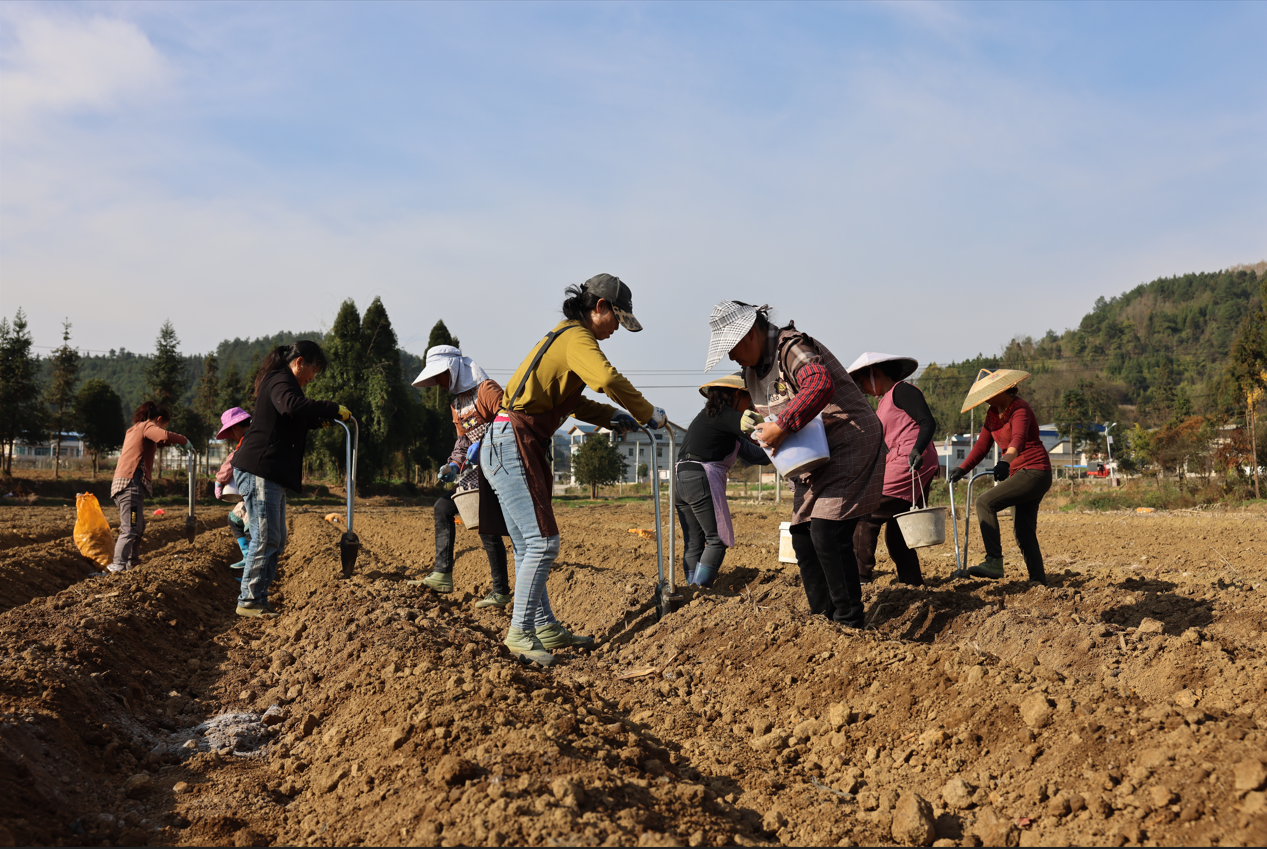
824, 552
693, 500
867, 536
1023, 491
446, 511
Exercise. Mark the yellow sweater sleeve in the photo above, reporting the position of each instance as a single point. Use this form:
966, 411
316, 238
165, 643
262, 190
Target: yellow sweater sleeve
587, 361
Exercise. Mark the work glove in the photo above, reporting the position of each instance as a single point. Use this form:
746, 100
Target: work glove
448, 473
957, 474
749, 420
1001, 470
917, 458
344, 413
659, 418
623, 423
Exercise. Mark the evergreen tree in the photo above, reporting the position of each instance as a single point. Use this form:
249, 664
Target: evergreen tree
23, 414
207, 402
598, 462
60, 394
99, 417
165, 376
437, 397
232, 392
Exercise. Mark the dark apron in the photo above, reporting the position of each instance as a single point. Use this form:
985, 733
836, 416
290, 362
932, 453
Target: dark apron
534, 435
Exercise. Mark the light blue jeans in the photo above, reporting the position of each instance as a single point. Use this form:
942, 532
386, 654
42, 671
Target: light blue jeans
266, 508
534, 553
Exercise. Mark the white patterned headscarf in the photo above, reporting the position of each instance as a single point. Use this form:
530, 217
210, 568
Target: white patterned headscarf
464, 373
729, 323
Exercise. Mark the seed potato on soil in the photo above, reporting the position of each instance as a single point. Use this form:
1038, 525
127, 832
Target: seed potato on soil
1124, 704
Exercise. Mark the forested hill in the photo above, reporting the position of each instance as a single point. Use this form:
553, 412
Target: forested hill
125, 370
1146, 356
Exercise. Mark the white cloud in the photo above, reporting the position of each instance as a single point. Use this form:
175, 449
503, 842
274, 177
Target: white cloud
60, 63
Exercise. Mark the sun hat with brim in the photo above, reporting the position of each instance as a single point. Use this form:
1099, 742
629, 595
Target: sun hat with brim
730, 381
871, 358
991, 383
729, 323
230, 417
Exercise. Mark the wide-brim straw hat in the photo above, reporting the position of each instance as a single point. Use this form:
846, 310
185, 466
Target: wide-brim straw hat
730, 381
871, 358
729, 323
991, 383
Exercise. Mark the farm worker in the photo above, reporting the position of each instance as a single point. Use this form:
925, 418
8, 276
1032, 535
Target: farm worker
911, 463
716, 438
515, 451
792, 378
475, 402
1023, 472
132, 478
233, 426
270, 459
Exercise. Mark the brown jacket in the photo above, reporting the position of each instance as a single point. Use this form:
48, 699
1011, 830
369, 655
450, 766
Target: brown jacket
138, 452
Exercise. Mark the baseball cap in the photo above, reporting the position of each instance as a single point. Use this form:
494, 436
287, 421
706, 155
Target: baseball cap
615, 292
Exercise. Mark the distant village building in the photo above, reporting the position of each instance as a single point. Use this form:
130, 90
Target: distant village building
635, 448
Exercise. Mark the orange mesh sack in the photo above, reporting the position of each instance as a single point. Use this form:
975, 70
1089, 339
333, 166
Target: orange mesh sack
92, 532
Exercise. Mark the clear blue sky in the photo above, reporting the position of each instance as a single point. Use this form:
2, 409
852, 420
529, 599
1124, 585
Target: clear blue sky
917, 178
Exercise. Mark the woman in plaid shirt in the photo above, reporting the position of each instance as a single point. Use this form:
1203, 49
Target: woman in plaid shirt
792, 378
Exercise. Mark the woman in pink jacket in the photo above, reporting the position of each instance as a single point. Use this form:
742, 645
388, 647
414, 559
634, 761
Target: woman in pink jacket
911, 463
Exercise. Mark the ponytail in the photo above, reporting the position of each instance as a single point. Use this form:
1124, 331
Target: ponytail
283, 355
148, 412
579, 303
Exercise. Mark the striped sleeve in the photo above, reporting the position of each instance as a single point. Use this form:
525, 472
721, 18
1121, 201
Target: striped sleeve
815, 390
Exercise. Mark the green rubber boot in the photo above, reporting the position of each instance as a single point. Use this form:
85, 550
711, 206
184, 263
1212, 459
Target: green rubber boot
494, 600
441, 582
991, 567
525, 646
555, 636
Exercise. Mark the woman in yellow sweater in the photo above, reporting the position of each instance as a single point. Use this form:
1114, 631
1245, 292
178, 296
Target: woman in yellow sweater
544, 391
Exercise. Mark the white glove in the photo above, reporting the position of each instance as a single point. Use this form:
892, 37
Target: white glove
749, 420
659, 418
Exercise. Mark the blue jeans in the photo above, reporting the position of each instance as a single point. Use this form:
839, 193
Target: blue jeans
534, 553
266, 507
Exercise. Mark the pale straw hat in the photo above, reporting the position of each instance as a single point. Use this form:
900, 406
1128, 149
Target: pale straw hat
991, 383
872, 358
730, 381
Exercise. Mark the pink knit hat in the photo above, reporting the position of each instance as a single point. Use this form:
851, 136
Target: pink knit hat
230, 417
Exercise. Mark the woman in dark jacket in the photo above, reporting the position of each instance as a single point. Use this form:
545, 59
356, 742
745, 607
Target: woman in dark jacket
717, 437
270, 460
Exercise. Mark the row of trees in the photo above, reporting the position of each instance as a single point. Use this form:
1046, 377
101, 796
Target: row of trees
404, 433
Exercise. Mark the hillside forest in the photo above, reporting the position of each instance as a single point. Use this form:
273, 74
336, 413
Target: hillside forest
1179, 363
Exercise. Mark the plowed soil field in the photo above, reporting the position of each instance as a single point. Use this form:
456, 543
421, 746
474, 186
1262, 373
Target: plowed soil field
1124, 704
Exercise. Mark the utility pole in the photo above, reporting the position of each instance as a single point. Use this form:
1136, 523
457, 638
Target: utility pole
1108, 445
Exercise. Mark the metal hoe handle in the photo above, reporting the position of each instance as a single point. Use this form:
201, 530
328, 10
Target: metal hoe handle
655, 489
671, 587
191, 526
353, 443
967, 513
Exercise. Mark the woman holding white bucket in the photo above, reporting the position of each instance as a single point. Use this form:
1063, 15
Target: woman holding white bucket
793, 380
910, 466
1023, 472
716, 438
475, 401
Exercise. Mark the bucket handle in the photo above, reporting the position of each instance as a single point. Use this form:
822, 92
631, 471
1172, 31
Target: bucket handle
914, 477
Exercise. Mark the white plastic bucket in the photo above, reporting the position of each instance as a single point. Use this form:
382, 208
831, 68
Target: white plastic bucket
802, 451
468, 504
922, 528
787, 554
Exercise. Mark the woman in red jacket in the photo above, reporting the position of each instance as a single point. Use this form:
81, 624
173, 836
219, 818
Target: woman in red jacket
1023, 472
